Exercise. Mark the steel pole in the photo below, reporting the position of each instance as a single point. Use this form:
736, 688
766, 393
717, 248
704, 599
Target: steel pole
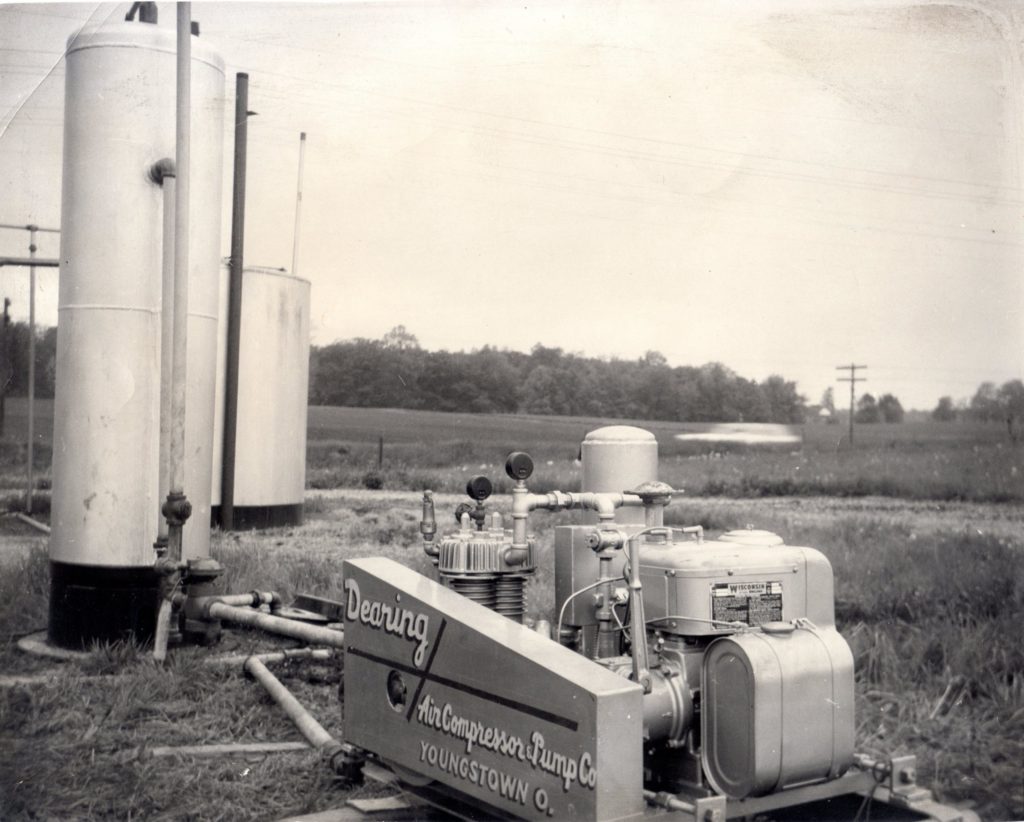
31, 366
227, 478
298, 204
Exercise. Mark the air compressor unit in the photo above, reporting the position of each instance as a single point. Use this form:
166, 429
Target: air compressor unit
702, 679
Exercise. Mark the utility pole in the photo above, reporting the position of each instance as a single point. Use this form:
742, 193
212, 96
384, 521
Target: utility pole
853, 379
5, 358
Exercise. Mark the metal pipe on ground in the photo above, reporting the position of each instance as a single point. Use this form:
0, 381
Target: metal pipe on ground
39, 526
273, 656
308, 726
312, 634
229, 749
253, 598
343, 759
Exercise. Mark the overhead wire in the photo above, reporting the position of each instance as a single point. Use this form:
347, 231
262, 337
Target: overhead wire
4, 124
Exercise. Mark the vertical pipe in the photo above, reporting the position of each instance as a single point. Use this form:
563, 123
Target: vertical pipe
31, 367
166, 353
298, 205
179, 372
227, 489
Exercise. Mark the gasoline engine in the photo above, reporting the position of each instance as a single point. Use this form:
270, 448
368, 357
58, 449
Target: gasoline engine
703, 678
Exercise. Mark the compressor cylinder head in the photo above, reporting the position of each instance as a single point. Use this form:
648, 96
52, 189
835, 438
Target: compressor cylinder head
478, 562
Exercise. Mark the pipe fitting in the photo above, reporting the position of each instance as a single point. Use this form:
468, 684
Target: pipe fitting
161, 170
176, 509
604, 539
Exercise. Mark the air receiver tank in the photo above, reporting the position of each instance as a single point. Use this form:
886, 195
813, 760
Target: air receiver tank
119, 120
273, 385
617, 458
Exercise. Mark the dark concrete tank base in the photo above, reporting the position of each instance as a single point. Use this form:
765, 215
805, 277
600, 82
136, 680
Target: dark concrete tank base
257, 517
95, 603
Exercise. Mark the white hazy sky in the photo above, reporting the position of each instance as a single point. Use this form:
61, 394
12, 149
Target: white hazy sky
782, 186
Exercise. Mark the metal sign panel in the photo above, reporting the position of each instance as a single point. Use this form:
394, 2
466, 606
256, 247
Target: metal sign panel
451, 691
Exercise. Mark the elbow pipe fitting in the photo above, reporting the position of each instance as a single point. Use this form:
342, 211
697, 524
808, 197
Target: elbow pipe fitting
162, 170
516, 554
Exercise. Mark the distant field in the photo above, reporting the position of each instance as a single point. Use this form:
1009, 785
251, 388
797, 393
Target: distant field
913, 460
954, 461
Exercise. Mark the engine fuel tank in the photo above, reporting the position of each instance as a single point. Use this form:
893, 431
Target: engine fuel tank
777, 709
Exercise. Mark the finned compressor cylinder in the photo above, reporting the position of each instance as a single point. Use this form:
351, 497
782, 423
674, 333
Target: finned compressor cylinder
119, 121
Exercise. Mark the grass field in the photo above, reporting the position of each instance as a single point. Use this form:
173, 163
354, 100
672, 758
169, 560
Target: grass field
922, 461
936, 461
929, 589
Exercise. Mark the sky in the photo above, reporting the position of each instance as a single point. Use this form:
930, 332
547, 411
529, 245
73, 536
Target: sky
783, 186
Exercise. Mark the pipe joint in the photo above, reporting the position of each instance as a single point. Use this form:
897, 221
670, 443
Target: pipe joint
162, 170
176, 509
346, 761
605, 539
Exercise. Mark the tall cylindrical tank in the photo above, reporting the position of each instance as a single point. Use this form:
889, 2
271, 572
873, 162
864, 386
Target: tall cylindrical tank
617, 458
273, 384
119, 120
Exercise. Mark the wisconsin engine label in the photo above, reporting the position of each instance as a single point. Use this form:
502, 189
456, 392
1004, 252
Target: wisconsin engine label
751, 602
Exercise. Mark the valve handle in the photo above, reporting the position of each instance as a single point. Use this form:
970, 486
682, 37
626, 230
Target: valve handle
519, 465
479, 488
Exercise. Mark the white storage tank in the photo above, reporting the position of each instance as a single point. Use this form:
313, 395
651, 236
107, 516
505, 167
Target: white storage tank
273, 384
120, 120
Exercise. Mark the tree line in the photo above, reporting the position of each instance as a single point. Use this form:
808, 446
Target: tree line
1003, 404
395, 372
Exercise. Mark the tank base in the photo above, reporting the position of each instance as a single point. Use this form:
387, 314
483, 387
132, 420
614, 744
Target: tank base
258, 517
95, 603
